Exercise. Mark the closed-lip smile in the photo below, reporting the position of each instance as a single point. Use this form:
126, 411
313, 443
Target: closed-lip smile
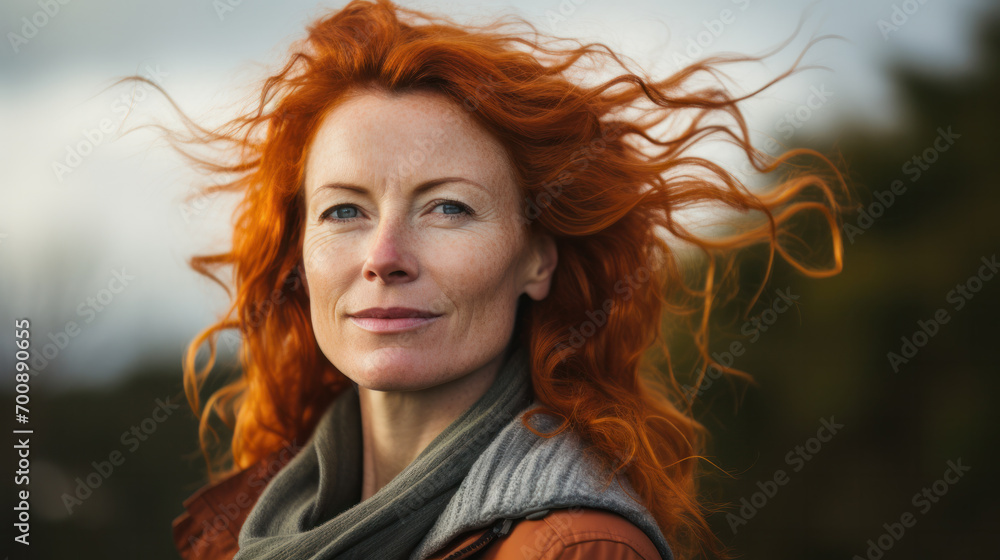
391, 319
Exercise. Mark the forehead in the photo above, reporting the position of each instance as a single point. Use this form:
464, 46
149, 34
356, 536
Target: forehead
377, 137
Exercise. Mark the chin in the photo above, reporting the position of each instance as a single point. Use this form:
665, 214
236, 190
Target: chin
396, 369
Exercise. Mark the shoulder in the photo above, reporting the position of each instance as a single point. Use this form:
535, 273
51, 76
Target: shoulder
209, 527
569, 534
573, 533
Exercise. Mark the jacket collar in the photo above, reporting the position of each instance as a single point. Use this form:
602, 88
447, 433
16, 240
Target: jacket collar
504, 483
521, 473
210, 526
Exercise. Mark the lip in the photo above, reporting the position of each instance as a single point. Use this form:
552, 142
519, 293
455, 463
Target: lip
392, 319
391, 325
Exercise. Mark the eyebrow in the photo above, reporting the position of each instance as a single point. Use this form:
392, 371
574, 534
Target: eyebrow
422, 187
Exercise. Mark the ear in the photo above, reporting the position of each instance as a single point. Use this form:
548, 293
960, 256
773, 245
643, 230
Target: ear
541, 267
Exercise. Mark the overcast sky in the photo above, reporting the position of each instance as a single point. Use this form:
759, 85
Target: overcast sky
111, 222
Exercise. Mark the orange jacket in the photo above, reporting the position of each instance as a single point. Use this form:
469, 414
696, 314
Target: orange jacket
565, 534
210, 528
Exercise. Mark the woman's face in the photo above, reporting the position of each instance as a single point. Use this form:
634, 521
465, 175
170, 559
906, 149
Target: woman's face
410, 204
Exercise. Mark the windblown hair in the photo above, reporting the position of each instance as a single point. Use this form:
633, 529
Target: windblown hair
587, 180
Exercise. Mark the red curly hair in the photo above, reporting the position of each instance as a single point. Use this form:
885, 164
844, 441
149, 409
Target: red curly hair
586, 180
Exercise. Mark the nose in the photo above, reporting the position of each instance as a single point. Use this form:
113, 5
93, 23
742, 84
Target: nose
389, 259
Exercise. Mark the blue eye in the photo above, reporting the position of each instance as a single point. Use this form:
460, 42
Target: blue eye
339, 217
462, 209
456, 210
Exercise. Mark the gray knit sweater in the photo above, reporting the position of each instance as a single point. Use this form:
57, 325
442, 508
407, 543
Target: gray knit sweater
521, 472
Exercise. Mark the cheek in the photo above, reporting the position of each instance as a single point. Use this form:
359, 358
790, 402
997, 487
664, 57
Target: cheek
477, 276
326, 266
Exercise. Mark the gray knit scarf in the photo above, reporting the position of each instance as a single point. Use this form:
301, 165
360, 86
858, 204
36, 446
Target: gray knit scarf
483, 468
311, 510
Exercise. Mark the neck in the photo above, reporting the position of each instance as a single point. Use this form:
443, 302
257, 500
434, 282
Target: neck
397, 425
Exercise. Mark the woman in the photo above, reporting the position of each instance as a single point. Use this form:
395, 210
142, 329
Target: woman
448, 262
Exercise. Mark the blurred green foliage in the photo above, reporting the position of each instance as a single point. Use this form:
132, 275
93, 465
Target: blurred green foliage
829, 356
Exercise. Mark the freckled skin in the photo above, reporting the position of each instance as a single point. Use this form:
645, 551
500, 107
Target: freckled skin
386, 246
